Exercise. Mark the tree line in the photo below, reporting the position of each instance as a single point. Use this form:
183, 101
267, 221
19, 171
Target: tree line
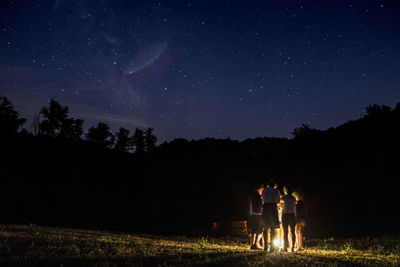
54, 121
53, 175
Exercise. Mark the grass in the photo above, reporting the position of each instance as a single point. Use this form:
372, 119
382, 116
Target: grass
45, 246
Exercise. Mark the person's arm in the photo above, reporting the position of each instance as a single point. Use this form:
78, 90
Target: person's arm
278, 197
281, 202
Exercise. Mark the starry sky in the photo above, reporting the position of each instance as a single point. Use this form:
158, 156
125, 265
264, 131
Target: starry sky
204, 68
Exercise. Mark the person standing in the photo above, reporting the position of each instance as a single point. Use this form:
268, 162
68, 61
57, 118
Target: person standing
288, 202
271, 197
300, 219
254, 221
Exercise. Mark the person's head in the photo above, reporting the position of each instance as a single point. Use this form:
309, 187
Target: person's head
298, 194
272, 184
260, 188
287, 190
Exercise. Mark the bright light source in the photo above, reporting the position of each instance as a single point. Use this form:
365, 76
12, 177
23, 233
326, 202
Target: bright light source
277, 242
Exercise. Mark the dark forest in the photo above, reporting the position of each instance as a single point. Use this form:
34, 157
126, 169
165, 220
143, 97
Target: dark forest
52, 173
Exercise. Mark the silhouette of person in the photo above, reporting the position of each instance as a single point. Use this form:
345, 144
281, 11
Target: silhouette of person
255, 212
288, 203
271, 198
300, 219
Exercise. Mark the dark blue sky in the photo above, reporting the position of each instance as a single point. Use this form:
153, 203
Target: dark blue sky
197, 69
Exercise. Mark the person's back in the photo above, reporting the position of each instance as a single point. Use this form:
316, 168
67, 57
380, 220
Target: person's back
256, 204
255, 212
300, 210
300, 221
271, 195
271, 198
288, 203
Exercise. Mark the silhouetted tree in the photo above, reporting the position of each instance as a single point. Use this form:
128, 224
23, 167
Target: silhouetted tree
304, 131
72, 129
101, 134
122, 140
57, 123
53, 115
376, 109
150, 139
138, 141
396, 110
10, 121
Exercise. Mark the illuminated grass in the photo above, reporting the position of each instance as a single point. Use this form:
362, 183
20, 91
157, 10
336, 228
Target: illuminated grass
38, 246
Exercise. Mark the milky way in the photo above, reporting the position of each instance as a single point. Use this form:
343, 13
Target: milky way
196, 69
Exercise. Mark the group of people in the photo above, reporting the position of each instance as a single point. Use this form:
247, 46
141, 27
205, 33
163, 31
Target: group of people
273, 216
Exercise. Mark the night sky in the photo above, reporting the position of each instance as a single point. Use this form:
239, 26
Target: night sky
196, 69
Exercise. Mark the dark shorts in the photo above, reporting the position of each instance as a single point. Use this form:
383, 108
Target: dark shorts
300, 220
254, 224
288, 219
270, 216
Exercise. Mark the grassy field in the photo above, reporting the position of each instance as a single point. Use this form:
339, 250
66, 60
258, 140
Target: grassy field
45, 246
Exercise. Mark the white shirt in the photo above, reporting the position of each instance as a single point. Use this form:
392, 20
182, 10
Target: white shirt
289, 204
271, 195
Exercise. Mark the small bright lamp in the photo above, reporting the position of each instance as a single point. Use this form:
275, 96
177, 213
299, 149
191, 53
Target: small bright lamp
277, 242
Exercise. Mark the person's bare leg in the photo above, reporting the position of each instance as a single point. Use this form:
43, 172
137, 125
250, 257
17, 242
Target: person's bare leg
285, 237
265, 235
278, 237
259, 236
272, 234
253, 239
300, 237
296, 230
293, 237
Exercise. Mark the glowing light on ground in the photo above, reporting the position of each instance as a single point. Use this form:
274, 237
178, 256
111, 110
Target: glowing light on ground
277, 242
